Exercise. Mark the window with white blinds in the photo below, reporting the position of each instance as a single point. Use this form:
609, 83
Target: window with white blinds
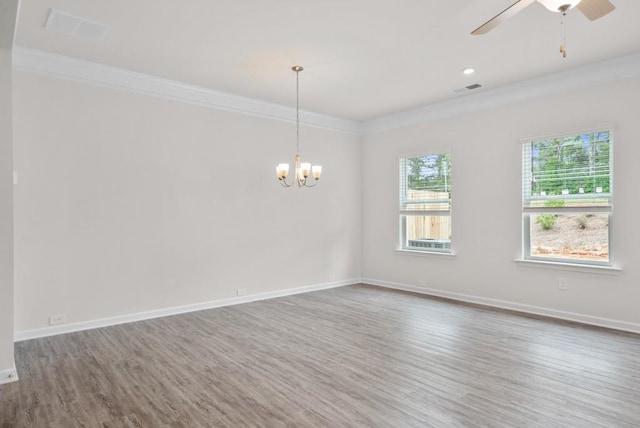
567, 200
425, 203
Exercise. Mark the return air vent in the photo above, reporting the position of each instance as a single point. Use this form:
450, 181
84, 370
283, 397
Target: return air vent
467, 88
75, 26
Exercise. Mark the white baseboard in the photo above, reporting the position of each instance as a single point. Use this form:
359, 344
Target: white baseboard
8, 375
140, 316
518, 307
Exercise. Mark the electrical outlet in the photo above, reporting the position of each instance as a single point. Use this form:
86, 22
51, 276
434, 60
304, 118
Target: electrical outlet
422, 283
241, 292
57, 319
562, 283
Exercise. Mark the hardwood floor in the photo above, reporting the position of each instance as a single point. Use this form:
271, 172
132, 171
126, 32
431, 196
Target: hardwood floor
351, 356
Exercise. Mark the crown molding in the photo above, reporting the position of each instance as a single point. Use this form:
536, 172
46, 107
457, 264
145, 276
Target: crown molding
47, 63
619, 68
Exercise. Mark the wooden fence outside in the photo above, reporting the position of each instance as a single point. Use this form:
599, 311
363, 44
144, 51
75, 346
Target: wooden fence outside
428, 227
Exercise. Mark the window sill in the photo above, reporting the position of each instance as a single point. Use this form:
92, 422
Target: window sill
420, 253
574, 267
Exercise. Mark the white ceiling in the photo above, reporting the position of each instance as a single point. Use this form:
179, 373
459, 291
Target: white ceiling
362, 59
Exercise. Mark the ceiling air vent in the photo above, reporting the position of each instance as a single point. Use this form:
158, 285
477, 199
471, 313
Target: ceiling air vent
467, 88
71, 25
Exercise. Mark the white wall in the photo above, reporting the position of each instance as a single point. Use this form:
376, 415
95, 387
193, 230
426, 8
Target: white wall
486, 204
6, 215
129, 203
8, 15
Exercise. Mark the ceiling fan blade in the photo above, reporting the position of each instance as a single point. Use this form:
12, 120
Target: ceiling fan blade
594, 9
502, 16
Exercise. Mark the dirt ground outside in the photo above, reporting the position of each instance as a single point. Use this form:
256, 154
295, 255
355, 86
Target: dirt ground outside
572, 237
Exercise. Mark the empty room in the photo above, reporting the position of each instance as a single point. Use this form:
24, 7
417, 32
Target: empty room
287, 213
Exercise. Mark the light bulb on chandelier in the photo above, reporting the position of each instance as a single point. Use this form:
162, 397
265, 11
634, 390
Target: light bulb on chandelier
302, 170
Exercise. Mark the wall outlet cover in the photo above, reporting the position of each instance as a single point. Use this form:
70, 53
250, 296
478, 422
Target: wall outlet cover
562, 283
57, 319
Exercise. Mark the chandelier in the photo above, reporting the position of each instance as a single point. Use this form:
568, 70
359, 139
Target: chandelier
302, 170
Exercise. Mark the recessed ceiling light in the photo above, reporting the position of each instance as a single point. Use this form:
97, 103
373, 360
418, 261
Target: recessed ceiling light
468, 70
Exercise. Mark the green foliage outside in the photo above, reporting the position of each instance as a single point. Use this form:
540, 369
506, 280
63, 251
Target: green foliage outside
571, 163
546, 221
432, 172
554, 203
582, 221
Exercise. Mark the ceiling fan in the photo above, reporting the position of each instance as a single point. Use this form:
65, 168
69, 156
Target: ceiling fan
592, 9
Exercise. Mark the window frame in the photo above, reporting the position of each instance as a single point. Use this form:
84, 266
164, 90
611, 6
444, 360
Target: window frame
404, 214
527, 212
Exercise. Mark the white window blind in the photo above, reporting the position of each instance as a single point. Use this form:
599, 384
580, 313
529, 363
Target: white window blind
568, 173
425, 185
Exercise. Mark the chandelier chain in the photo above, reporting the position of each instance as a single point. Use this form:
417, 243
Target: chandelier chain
297, 111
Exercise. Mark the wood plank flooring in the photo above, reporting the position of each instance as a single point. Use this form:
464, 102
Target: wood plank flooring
350, 356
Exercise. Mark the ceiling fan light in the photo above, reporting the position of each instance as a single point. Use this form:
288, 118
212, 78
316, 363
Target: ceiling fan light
555, 5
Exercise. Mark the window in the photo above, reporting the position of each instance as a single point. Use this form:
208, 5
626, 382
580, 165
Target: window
425, 203
567, 200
